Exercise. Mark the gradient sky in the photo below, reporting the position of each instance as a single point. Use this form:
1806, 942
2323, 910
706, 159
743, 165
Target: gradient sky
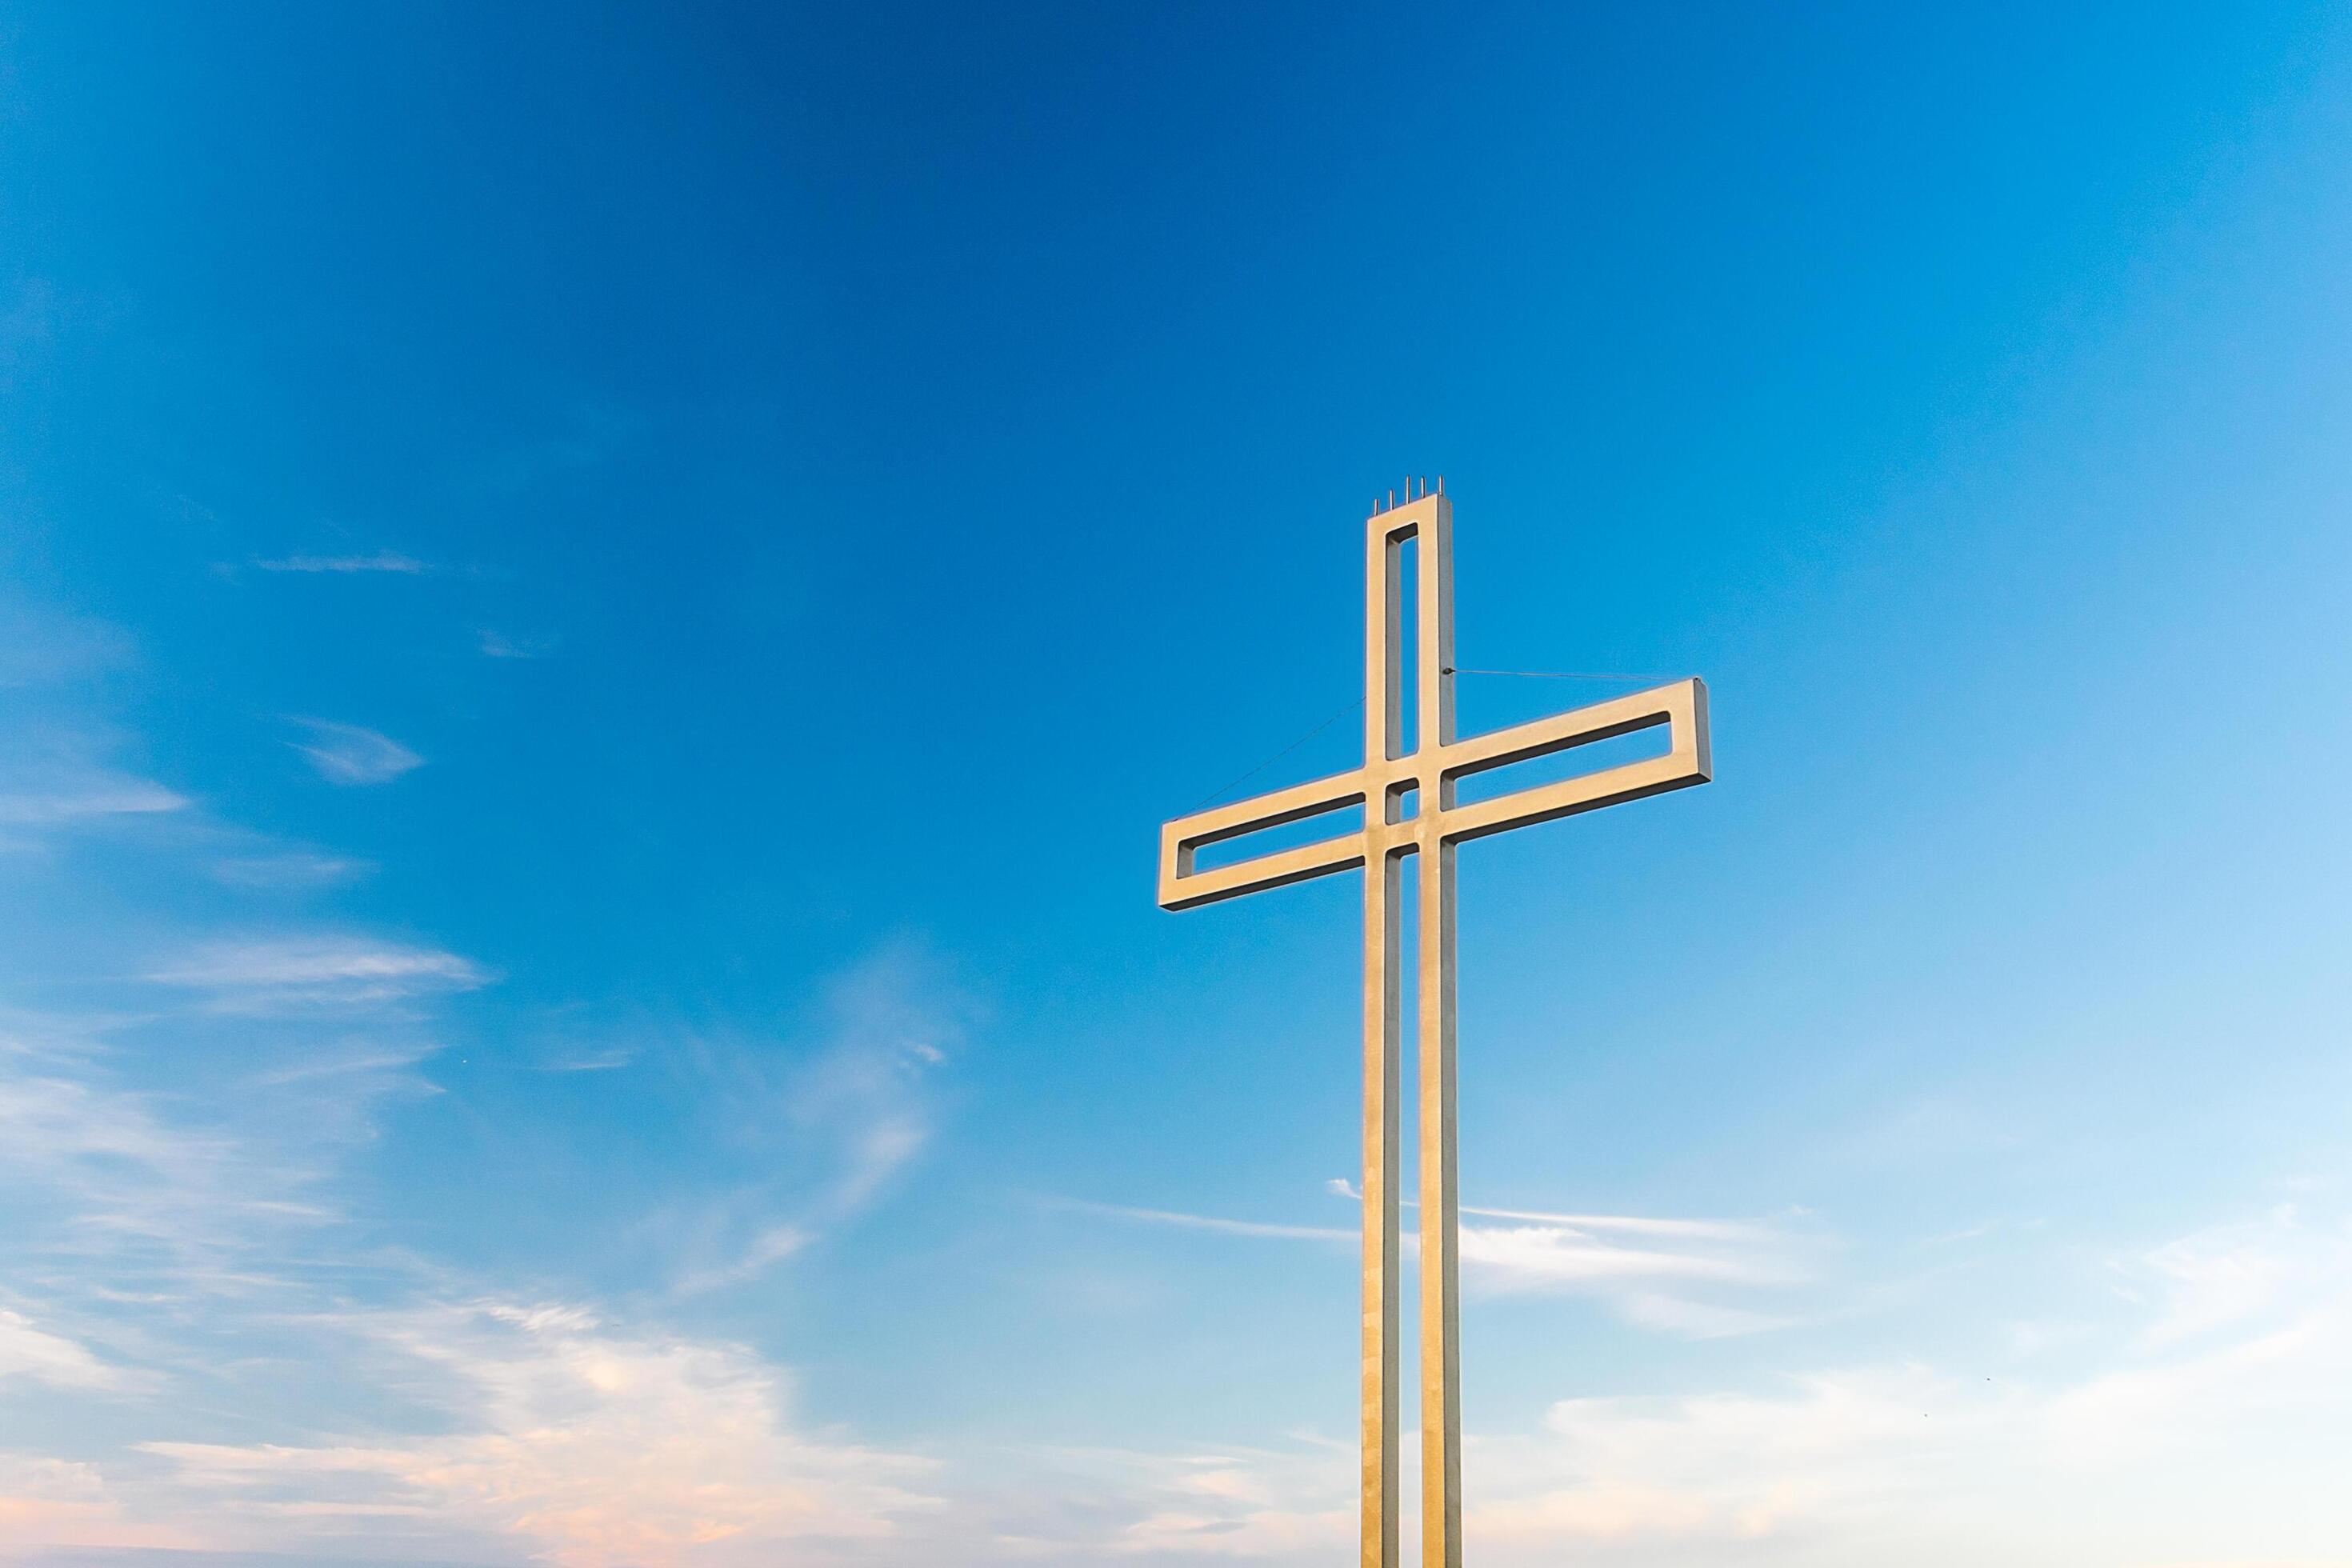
599, 608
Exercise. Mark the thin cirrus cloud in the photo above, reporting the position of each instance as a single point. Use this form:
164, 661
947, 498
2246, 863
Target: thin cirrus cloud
43, 646
317, 972
497, 645
116, 1191
289, 868
30, 1352
828, 1127
39, 806
81, 800
381, 561
765, 1250
1675, 1278
354, 754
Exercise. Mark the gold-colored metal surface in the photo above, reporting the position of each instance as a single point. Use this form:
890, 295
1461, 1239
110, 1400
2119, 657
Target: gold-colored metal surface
1427, 771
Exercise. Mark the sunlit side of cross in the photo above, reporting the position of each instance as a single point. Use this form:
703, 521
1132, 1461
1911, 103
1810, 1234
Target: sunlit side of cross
1408, 801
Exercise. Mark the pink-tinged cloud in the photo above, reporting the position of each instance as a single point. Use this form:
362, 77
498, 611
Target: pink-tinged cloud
596, 1446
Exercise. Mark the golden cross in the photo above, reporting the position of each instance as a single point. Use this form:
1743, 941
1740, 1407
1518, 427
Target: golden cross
1408, 801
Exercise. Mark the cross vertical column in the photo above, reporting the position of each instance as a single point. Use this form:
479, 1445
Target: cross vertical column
1441, 1335
1383, 725
1391, 772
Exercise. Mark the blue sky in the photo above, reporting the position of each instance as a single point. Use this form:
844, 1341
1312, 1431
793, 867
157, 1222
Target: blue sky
599, 608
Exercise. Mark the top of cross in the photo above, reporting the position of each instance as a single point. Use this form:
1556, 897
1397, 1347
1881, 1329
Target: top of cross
1380, 506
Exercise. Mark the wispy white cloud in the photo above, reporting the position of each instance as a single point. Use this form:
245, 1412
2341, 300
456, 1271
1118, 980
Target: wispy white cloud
381, 561
1697, 1277
59, 1125
891, 1020
1675, 1281
58, 777
352, 754
1654, 1286
98, 797
764, 1251
1744, 1232
317, 972
27, 1350
602, 1058
112, 1193
822, 1125
43, 646
366, 1056
2219, 1279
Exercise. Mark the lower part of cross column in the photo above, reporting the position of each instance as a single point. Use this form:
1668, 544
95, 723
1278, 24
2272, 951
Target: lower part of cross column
1441, 1329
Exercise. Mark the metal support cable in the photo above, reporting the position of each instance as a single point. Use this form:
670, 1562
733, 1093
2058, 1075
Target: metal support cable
1565, 674
1224, 789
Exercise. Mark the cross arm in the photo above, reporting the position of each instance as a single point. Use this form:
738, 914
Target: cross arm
1184, 887
1681, 708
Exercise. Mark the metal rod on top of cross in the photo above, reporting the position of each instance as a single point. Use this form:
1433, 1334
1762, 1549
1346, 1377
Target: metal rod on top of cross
1428, 773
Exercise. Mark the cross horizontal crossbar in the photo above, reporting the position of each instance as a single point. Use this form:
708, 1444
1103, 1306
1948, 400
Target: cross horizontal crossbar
1680, 707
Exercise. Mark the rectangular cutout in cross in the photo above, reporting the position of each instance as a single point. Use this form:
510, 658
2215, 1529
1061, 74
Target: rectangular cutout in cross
1576, 756
1344, 820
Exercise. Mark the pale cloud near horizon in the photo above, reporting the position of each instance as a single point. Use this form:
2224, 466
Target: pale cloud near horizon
354, 754
590, 1444
572, 1432
585, 1442
1857, 1466
48, 1502
1888, 1462
554, 1436
2214, 1277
